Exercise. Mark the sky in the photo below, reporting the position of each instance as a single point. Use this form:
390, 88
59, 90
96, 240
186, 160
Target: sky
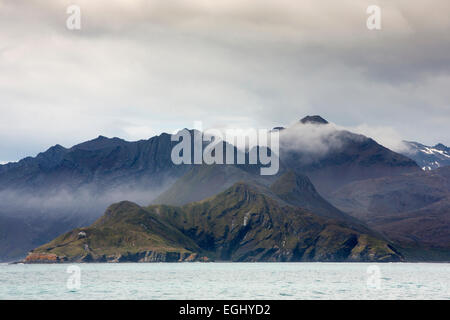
137, 68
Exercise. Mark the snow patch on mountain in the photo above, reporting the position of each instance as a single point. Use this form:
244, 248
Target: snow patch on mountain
428, 157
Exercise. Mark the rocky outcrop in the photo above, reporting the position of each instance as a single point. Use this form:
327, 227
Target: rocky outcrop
143, 256
153, 256
43, 258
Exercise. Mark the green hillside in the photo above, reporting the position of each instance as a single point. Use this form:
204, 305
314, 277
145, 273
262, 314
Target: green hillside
126, 232
240, 224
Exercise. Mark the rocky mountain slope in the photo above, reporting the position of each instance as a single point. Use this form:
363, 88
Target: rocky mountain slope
413, 210
239, 224
103, 162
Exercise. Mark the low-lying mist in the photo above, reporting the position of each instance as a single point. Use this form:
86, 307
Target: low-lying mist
86, 202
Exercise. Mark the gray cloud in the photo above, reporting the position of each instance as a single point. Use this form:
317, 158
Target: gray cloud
141, 67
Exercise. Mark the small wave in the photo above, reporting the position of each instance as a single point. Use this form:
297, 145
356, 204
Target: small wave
286, 294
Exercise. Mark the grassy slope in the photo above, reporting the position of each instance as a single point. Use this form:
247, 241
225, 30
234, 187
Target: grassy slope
239, 224
125, 228
242, 224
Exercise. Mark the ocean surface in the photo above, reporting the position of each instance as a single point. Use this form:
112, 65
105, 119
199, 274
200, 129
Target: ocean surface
226, 281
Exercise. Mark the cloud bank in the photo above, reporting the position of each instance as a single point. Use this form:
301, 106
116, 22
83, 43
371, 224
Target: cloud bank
137, 68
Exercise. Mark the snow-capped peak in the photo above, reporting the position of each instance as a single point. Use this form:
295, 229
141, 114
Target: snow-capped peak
427, 157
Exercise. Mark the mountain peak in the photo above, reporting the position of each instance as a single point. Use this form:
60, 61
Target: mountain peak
296, 189
316, 119
101, 142
441, 147
56, 148
428, 157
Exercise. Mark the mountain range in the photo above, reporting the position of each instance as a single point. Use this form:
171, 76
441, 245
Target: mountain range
427, 157
413, 209
329, 179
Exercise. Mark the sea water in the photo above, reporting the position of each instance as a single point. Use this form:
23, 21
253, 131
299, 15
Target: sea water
226, 281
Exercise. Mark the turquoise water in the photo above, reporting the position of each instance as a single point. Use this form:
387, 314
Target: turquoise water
228, 281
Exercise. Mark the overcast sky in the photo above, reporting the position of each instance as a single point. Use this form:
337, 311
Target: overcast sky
137, 68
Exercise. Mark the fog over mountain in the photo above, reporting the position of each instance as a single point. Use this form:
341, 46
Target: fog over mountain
314, 140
